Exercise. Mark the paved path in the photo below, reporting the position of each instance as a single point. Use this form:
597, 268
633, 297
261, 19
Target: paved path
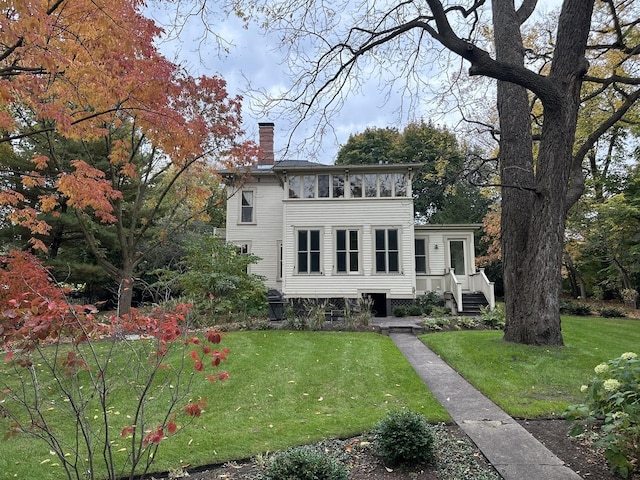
512, 451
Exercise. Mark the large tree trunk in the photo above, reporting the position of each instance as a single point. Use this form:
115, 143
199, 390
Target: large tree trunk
534, 193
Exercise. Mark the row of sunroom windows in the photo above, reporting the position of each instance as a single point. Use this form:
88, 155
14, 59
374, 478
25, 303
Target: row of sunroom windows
347, 251
353, 185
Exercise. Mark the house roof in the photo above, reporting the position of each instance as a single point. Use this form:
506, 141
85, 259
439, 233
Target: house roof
447, 226
303, 165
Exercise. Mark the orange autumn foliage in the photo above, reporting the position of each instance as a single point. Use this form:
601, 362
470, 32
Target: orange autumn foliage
84, 68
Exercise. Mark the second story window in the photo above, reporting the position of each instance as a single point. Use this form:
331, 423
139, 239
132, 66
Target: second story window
323, 186
247, 213
355, 185
337, 186
295, 186
355, 182
400, 185
384, 180
370, 185
309, 182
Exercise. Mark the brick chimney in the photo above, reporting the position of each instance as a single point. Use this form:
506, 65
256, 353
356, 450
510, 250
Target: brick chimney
266, 144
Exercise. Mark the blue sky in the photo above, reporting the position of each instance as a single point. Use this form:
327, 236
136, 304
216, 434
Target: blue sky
253, 61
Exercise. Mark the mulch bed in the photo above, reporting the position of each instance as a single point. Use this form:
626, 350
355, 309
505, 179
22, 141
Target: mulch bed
577, 454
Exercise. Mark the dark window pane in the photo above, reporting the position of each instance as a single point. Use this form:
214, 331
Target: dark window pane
380, 262
341, 259
302, 262
353, 261
380, 242
341, 240
393, 240
315, 261
353, 240
315, 240
419, 247
302, 241
393, 262
421, 265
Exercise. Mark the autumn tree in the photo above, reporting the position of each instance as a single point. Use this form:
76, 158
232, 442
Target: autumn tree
86, 73
541, 161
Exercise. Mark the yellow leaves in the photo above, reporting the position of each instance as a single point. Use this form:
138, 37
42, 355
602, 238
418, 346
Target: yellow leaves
48, 202
33, 179
40, 161
87, 188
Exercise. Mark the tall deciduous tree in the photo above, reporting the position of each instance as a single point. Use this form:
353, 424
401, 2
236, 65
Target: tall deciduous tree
541, 174
440, 192
85, 70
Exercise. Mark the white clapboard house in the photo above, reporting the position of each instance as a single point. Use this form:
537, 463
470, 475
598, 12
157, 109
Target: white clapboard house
339, 232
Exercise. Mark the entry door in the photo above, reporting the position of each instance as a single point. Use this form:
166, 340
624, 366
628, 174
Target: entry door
458, 260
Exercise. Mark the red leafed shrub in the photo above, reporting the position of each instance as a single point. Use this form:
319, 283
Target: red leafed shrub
33, 309
39, 326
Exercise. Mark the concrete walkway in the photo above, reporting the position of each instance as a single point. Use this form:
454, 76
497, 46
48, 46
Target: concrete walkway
512, 451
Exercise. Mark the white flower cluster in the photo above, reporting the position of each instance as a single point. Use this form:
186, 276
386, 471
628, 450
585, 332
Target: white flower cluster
628, 355
611, 385
602, 368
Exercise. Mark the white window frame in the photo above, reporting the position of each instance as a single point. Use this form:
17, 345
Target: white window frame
279, 260
386, 251
309, 251
425, 242
242, 207
348, 251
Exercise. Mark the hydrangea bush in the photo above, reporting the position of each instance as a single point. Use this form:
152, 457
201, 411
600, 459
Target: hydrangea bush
612, 404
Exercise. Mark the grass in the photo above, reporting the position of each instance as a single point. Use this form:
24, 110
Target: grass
536, 382
285, 388
291, 388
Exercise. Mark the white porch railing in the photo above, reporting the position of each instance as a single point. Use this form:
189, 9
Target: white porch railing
478, 282
453, 285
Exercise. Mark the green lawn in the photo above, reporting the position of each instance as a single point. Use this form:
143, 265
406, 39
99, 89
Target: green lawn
533, 382
285, 388
289, 388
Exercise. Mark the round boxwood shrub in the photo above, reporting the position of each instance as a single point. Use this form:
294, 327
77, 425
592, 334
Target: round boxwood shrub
404, 437
305, 463
399, 311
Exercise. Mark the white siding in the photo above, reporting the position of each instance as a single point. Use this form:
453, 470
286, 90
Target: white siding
365, 215
438, 262
264, 235
278, 218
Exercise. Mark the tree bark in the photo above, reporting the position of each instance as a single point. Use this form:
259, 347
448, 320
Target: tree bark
125, 295
534, 194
